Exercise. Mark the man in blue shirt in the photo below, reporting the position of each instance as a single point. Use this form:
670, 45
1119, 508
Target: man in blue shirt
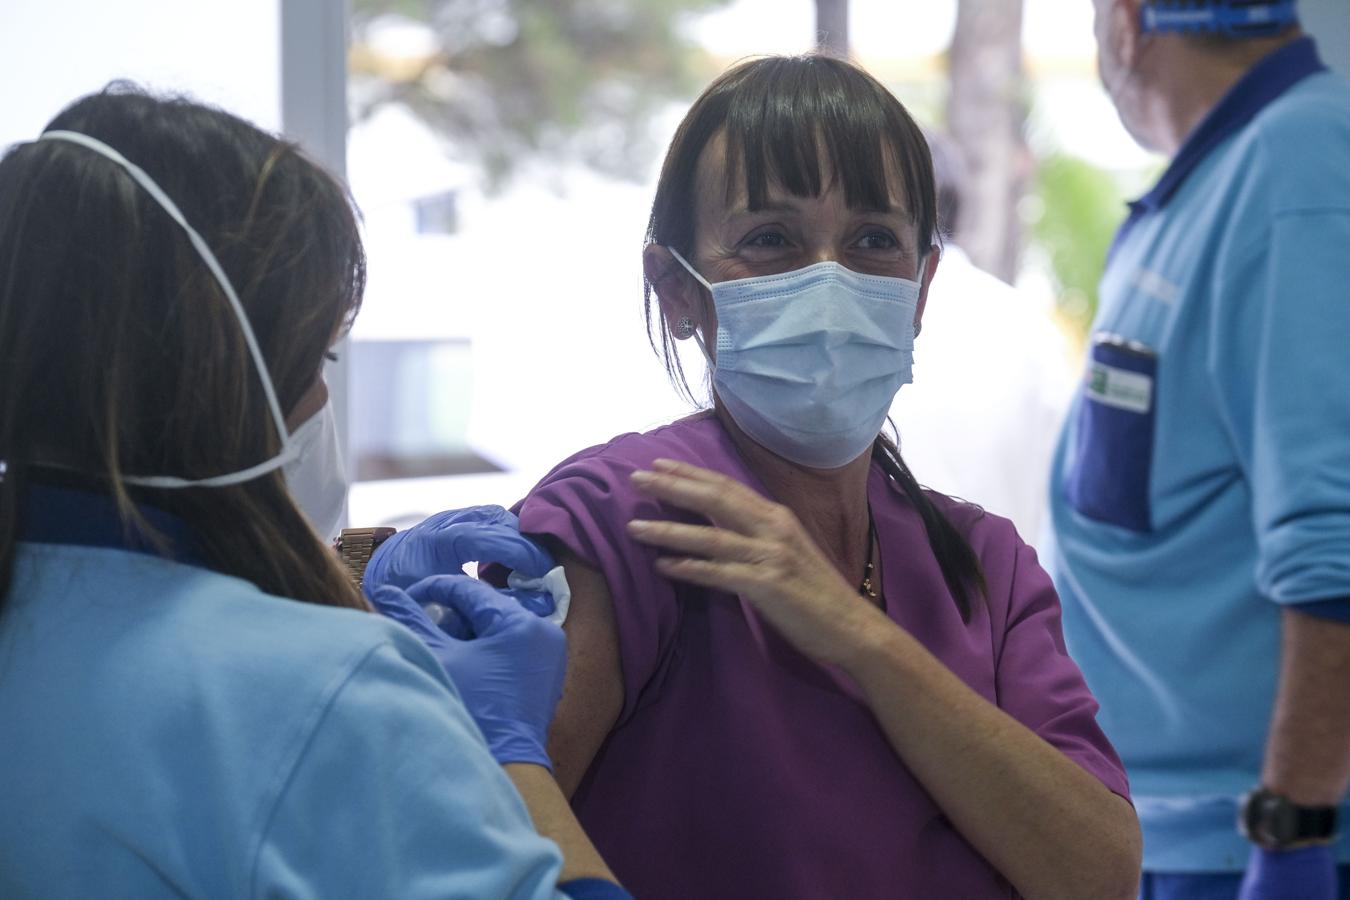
1201, 492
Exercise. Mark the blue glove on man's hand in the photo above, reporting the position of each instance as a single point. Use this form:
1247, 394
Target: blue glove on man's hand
443, 543
508, 666
1308, 873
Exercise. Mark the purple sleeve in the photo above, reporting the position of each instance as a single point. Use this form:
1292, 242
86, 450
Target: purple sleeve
1039, 685
585, 506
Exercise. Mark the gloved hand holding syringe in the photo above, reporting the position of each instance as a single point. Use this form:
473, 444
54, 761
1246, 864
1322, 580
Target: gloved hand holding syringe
503, 648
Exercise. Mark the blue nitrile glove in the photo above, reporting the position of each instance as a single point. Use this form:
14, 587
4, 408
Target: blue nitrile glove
508, 669
443, 543
1308, 873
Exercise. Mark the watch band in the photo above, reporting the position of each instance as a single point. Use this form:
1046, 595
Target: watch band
355, 546
1275, 822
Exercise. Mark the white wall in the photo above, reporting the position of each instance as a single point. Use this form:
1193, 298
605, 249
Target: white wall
223, 51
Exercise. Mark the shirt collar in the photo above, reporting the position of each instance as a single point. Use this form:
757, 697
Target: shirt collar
55, 511
1261, 85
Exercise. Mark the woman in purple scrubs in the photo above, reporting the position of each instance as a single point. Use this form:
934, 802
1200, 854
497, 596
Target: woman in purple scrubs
793, 672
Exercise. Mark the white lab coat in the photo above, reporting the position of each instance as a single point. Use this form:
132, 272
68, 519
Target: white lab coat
992, 381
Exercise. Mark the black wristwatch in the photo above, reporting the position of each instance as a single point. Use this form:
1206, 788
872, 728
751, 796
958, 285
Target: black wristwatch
1276, 823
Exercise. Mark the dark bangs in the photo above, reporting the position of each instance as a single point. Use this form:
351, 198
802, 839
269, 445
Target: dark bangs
800, 121
803, 121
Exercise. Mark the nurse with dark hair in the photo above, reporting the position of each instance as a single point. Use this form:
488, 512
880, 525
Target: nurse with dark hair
194, 699
794, 672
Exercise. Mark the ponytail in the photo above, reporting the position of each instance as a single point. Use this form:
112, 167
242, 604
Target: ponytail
961, 568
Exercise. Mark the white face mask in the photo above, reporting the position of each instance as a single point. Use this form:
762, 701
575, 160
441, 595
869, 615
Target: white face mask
290, 447
809, 361
317, 478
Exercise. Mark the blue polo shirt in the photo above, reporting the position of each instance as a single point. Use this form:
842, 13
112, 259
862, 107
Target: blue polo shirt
1202, 481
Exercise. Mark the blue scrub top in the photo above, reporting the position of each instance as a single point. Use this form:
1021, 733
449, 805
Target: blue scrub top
1202, 481
171, 731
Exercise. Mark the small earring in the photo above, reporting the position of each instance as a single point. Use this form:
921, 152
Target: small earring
684, 328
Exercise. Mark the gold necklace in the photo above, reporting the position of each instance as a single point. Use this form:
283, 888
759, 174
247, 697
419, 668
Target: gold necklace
866, 589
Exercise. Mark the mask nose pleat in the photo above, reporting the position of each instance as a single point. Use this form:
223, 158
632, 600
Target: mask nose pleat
768, 375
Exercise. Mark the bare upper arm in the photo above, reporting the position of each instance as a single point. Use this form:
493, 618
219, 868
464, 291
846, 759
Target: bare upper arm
593, 689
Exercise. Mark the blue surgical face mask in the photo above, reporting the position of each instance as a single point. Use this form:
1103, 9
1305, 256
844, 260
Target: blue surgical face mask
809, 361
317, 477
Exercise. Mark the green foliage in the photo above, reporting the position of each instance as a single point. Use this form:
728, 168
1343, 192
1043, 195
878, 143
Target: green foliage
1082, 209
512, 81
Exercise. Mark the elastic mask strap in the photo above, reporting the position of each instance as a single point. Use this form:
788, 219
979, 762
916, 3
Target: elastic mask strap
692, 271
698, 338
278, 419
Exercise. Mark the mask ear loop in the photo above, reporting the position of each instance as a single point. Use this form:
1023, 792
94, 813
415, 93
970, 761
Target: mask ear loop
698, 338
288, 450
919, 274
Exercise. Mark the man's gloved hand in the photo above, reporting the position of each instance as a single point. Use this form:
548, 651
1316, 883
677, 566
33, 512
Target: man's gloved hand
443, 543
508, 665
1308, 873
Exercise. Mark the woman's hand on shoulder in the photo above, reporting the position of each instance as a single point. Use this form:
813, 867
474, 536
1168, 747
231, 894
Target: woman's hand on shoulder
758, 549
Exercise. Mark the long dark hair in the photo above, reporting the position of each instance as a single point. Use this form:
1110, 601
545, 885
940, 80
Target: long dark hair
778, 114
119, 354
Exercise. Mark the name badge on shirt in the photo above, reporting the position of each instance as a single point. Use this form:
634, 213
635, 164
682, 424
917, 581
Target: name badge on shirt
1120, 388
1108, 476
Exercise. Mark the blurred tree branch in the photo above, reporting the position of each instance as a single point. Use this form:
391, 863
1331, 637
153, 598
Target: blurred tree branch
505, 82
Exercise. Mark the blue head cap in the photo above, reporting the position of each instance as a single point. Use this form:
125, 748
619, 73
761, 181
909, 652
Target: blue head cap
1231, 18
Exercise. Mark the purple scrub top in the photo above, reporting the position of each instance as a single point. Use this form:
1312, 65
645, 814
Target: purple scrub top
738, 767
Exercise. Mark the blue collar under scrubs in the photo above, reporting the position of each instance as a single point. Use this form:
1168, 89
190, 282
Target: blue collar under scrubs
70, 510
